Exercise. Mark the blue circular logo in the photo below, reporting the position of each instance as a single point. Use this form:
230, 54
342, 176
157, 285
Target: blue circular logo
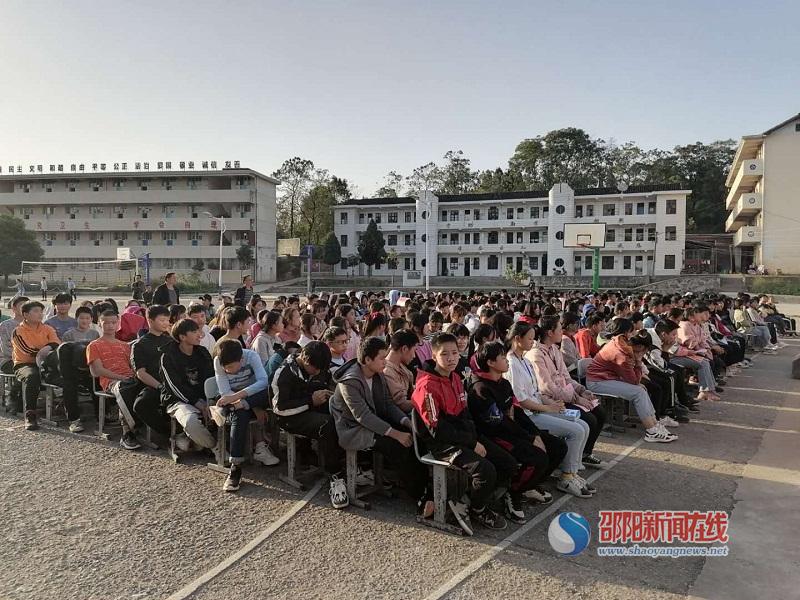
569, 533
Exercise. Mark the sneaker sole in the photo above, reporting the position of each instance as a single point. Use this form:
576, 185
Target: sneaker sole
661, 440
230, 489
460, 519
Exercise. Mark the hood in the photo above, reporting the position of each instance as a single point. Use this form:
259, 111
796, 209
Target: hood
476, 370
348, 371
133, 310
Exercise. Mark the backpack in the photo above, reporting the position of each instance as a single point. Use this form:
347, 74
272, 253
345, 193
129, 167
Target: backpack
50, 371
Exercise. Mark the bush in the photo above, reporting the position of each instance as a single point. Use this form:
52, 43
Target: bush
787, 286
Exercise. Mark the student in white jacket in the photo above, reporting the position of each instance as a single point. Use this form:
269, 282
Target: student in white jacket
575, 433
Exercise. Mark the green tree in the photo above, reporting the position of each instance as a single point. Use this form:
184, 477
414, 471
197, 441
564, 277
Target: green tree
245, 256
198, 266
295, 175
371, 249
498, 180
16, 244
563, 155
457, 176
332, 250
392, 185
428, 177
316, 214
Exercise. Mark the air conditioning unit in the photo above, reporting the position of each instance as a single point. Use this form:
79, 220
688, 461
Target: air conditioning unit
120, 216
170, 242
72, 215
120, 242
470, 224
97, 242
49, 242
145, 242
72, 242
194, 243
512, 223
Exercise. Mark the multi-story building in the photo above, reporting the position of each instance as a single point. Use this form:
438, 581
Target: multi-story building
764, 183
485, 234
168, 215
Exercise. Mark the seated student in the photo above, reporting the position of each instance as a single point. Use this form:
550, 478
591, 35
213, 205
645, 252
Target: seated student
83, 332
450, 433
109, 360
308, 324
745, 325
302, 409
367, 418
509, 441
569, 325
197, 313
267, 340
420, 326
28, 339
236, 321
758, 321
399, 378
617, 371
61, 321
462, 335
336, 339
185, 366
663, 337
543, 412
131, 322
242, 384
586, 338
7, 327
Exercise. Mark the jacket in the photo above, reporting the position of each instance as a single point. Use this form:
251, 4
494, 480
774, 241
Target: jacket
552, 376
131, 322
522, 377
615, 362
691, 336
400, 381
291, 390
490, 403
161, 295
361, 413
586, 343
251, 378
184, 376
441, 403
570, 352
26, 341
241, 297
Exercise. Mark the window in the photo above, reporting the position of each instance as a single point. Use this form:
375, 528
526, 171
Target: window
453, 263
492, 238
628, 234
589, 210
96, 237
454, 215
343, 218
534, 237
520, 212
626, 262
144, 185
534, 212
96, 185
611, 235
118, 184
121, 236
443, 216
166, 184
578, 211
476, 214
49, 211
509, 213
629, 208
607, 263
361, 218
119, 211
391, 239
672, 207
476, 263
587, 262
651, 234
545, 210
454, 239
492, 263
391, 263
608, 210
409, 216
669, 261
168, 211
444, 238
494, 214
377, 217
533, 263
407, 239
476, 238
467, 238
509, 237
144, 236
72, 186
640, 235
195, 236
519, 237
407, 263
169, 237
671, 234
391, 217
97, 212
510, 262
651, 208
560, 209
640, 208
73, 237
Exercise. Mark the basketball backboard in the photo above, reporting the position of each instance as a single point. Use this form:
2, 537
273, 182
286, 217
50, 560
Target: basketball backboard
123, 254
289, 247
584, 235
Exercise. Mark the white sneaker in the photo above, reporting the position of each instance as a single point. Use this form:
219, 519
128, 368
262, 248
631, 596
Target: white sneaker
659, 435
781, 344
264, 455
75, 426
217, 415
183, 442
668, 421
338, 493
589, 488
573, 485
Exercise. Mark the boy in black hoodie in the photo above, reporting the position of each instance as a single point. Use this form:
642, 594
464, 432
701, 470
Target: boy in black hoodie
511, 440
185, 366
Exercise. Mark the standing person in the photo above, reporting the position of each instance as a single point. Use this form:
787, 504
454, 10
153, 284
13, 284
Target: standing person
137, 288
28, 339
6, 363
20, 287
167, 294
71, 288
245, 293
147, 295
61, 321
43, 286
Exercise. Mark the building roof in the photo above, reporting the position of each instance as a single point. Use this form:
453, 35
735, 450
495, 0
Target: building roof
779, 125
133, 174
520, 195
749, 145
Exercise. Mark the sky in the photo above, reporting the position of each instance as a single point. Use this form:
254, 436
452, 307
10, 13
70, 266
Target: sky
363, 88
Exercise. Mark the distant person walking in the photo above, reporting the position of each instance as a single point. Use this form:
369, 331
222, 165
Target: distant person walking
43, 286
20, 288
137, 288
167, 294
71, 288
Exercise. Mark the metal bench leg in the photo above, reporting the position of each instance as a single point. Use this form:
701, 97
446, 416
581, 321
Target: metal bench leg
222, 438
173, 447
439, 520
101, 417
351, 473
49, 401
147, 441
291, 463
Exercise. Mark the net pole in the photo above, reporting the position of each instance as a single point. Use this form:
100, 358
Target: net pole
595, 270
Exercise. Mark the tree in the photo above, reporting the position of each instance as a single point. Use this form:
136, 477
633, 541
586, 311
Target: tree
245, 256
16, 244
316, 214
198, 266
392, 184
498, 180
425, 178
371, 249
332, 250
295, 175
457, 177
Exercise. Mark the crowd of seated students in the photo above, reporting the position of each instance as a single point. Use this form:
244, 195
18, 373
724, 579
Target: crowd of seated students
505, 387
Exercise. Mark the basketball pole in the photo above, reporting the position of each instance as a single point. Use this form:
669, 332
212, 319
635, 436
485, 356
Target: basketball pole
595, 269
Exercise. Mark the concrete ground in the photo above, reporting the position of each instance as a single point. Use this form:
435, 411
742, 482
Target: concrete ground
84, 519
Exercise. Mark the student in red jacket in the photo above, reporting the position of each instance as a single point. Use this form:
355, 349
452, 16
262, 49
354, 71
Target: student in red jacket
586, 338
450, 434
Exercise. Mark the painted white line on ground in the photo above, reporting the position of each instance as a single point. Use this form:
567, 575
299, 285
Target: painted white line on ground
231, 560
484, 558
745, 389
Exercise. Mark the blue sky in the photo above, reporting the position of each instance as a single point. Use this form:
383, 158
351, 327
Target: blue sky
362, 88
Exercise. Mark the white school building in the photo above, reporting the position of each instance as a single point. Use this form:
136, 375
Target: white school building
485, 234
81, 216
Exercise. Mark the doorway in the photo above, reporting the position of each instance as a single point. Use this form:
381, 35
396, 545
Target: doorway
467, 264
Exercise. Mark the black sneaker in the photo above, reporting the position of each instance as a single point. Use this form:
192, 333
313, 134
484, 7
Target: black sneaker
488, 518
233, 480
590, 460
31, 421
681, 417
129, 441
512, 505
692, 406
